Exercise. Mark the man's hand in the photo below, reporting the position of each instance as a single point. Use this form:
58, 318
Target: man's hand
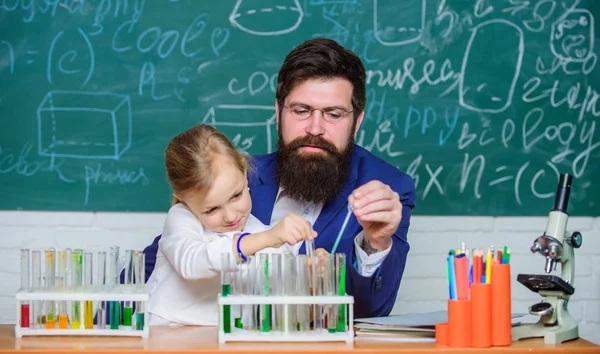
379, 211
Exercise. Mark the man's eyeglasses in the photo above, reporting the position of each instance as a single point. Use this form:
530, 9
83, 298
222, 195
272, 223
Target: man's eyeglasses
331, 115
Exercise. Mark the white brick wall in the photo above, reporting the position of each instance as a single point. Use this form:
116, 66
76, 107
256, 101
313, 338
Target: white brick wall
423, 288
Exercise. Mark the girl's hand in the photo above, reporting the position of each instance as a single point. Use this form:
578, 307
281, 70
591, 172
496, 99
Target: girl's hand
291, 230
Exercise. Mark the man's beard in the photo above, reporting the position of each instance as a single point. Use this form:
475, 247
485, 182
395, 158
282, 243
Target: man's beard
312, 176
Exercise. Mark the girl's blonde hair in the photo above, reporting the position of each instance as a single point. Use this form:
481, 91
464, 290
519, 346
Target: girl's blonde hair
190, 159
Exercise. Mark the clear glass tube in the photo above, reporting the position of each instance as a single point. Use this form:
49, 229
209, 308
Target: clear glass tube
226, 289
25, 274
101, 314
49, 282
139, 264
113, 280
289, 289
76, 264
302, 289
316, 289
276, 282
88, 308
129, 275
36, 282
251, 263
330, 289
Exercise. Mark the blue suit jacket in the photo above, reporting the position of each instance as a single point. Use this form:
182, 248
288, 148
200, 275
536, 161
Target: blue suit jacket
374, 296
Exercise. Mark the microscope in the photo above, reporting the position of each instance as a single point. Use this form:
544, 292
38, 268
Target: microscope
556, 325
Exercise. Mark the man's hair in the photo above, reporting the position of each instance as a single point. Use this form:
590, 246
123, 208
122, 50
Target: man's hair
190, 159
322, 58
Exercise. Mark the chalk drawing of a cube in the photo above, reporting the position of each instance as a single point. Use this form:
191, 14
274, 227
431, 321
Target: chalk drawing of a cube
251, 128
84, 125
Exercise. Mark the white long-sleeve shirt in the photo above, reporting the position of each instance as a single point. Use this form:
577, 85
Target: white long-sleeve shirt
187, 278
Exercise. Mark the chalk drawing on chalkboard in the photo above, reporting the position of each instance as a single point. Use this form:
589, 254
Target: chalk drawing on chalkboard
84, 125
572, 36
332, 2
251, 128
266, 18
491, 66
396, 22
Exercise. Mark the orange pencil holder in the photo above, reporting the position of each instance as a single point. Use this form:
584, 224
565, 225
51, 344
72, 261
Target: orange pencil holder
459, 323
481, 315
441, 334
501, 311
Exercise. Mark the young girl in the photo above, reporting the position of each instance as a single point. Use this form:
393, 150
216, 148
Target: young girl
210, 212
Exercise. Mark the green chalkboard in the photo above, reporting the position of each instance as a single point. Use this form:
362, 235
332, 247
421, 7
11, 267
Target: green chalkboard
482, 102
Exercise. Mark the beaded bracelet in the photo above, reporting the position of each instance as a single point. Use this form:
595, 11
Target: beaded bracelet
239, 250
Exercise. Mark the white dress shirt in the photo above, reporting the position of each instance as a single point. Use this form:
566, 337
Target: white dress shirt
366, 264
187, 278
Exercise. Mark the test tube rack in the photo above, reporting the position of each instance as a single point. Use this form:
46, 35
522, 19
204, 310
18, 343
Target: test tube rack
287, 335
97, 294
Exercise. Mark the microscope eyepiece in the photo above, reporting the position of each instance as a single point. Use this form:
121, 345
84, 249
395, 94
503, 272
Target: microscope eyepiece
561, 201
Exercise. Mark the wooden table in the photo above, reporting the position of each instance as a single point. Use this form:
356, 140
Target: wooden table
187, 340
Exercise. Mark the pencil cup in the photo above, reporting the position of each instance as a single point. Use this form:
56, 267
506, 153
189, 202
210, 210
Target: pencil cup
481, 315
501, 312
459, 323
441, 334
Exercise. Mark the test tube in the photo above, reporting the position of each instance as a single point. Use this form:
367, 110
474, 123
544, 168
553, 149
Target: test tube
252, 289
237, 289
25, 273
129, 275
88, 308
139, 271
38, 306
76, 261
113, 280
61, 283
316, 289
276, 282
330, 290
263, 282
226, 290
289, 289
302, 289
49, 283
101, 314
340, 276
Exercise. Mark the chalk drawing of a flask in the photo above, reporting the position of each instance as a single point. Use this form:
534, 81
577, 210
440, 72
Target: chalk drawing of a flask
491, 66
398, 22
266, 17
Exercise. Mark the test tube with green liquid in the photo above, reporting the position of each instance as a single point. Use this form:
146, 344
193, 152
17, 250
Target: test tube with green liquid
49, 281
276, 285
101, 313
265, 313
36, 282
88, 305
76, 261
340, 276
113, 279
129, 275
139, 262
226, 290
